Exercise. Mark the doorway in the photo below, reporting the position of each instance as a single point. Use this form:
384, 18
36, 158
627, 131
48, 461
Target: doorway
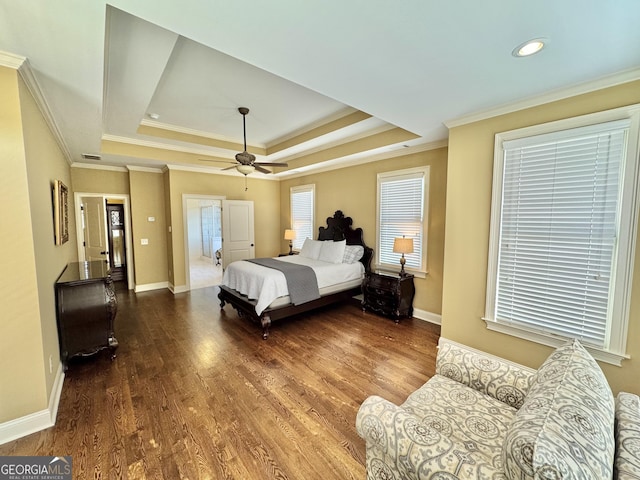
116, 236
204, 241
94, 242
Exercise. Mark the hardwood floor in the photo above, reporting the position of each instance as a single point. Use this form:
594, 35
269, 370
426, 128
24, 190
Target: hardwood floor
195, 393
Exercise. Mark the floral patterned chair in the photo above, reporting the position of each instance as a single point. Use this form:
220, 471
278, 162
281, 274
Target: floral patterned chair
481, 417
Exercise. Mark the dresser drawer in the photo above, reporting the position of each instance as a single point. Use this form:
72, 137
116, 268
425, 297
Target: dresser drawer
381, 282
382, 303
388, 295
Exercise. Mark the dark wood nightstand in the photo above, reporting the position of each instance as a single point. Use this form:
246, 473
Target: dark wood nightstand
389, 295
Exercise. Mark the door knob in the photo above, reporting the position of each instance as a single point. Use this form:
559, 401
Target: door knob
103, 253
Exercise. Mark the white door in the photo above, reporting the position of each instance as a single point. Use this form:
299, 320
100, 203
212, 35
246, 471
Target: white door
95, 235
238, 241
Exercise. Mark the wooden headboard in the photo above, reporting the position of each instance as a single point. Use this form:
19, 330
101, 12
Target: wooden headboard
339, 228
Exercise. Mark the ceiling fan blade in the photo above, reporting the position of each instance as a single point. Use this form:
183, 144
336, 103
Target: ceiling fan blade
231, 167
260, 169
269, 164
215, 161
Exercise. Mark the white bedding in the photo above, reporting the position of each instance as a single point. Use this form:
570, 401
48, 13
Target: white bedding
267, 284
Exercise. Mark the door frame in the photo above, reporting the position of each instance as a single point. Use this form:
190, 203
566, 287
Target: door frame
110, 207
185, 230
127, 225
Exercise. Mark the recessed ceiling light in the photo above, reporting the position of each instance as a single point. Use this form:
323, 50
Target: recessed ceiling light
530, 47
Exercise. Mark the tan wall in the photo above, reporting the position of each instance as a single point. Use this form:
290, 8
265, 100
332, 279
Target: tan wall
21, 372
146, 192
30, 261
467, 234
147, 200
354, 191
90, 180
264, 194
46, 163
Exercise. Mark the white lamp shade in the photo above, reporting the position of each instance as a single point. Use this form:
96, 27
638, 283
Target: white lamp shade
403, 245
245, 169
289, 234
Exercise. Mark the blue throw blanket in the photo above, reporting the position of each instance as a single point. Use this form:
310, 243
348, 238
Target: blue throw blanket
301, 280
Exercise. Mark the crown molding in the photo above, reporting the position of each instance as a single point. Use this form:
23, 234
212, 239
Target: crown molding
200, 133
335, 164
360, 159
136, 168
344, 112
21, 64
336, 143
162, 146
188, 131
233, 172
11, 60
552, 96
93, 166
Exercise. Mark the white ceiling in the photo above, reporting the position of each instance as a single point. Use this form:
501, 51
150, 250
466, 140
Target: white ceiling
300, 67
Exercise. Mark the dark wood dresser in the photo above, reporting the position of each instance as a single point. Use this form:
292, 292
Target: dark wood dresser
389, 295
86, 308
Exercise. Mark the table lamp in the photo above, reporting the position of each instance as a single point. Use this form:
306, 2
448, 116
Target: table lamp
402, 245
290, 235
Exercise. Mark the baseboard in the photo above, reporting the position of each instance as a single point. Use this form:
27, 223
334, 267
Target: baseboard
34, 422
56, 393
178, 289
427, 316
150, 286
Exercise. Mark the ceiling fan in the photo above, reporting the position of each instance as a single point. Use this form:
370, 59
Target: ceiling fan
245, 161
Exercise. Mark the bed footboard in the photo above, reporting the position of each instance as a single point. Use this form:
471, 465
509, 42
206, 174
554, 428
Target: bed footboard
246, 307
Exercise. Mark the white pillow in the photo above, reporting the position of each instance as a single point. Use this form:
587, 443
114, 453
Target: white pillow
352, 253
311, 248
332, 252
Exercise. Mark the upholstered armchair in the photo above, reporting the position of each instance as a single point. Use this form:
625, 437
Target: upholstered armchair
481, 417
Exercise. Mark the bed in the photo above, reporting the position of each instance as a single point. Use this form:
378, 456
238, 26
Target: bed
262, 298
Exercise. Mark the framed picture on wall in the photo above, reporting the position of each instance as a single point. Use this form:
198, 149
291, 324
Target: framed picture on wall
61, 212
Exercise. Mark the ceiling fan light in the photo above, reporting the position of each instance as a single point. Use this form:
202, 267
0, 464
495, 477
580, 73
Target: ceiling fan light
245, 169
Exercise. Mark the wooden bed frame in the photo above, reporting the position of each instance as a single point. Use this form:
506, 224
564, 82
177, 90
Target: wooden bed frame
338, 228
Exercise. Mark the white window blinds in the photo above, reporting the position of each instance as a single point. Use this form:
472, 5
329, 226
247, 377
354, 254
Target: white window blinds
558, 231
302, 201
401, 209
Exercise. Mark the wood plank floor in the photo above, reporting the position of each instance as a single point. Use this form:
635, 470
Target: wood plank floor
195, 393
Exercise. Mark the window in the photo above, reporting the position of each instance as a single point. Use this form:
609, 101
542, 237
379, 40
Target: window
302, 218
563, 230
402, 203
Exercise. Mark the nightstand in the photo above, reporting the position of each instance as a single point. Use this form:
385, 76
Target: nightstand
389, 295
